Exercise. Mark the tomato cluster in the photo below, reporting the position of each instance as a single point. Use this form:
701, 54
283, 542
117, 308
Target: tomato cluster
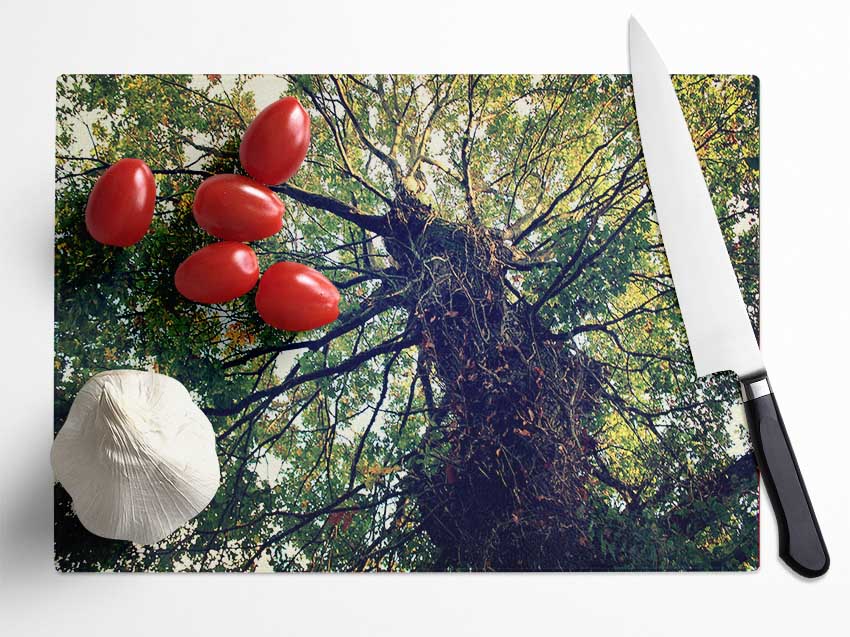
235, 209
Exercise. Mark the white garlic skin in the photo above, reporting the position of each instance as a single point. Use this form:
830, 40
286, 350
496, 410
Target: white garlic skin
136, 455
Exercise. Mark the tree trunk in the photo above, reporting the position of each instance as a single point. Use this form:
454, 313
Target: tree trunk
511, 492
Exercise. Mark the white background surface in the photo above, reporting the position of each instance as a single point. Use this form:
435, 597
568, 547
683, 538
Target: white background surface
800, 51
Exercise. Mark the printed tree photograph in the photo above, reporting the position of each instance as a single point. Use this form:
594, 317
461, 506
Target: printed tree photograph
508, 386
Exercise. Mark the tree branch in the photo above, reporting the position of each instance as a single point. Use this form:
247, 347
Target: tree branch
396, 344
373, 223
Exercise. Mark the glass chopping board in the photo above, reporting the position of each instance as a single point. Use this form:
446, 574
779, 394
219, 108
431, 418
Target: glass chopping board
508, 387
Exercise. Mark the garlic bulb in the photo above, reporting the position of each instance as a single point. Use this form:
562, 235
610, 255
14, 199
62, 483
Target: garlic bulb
136, 455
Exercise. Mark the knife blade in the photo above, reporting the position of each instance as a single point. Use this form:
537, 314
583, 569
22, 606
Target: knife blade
719, 332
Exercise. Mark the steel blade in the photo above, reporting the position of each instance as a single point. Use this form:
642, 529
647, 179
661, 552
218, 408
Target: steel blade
719, 331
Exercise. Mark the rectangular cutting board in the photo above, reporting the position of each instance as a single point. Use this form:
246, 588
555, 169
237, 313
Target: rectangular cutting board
508, 386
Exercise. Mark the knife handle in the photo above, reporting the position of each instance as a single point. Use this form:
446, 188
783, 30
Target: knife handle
801, 544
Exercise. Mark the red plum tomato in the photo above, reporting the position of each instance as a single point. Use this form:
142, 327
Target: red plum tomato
217, 273
236, 208
276, 142
296, 298
120, 206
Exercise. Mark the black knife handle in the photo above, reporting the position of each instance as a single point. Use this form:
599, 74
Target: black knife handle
801, 544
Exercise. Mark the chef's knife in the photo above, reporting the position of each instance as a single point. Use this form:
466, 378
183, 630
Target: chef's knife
719, 332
